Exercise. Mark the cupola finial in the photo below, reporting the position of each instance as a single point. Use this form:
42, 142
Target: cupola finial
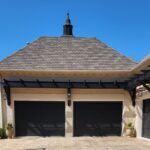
68, 26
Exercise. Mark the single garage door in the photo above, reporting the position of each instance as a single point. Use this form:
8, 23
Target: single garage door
97, 118
39, 118
146, 118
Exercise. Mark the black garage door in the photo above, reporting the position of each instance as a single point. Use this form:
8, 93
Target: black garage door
146, 118
40, 118
97, 118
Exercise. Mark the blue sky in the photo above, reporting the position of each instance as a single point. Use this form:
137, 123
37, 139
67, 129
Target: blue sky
122, 24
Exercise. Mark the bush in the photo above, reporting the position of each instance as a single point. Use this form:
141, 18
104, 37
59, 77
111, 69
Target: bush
129, 125
9, 126
2, 133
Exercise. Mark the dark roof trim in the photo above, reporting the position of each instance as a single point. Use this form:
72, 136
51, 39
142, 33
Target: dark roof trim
55, 84
69, 85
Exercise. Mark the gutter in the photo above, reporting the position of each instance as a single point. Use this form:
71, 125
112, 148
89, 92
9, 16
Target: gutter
66, 71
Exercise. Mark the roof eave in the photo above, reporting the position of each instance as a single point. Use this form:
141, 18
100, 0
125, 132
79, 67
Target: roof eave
71, 73
144, 64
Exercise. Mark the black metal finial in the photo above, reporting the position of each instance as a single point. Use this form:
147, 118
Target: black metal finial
68, 21
68, 14
67, 26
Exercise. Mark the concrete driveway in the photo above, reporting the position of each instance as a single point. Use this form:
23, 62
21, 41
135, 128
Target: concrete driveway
75, 143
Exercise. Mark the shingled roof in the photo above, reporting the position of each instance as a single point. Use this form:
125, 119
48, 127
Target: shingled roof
67, 53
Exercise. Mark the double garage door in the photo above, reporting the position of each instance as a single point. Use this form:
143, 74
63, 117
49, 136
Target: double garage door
48, 118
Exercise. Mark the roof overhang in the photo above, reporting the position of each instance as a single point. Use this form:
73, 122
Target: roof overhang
138, 70
143, 65
140, 75
67, 73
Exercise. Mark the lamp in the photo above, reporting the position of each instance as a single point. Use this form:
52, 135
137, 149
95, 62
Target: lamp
69, 96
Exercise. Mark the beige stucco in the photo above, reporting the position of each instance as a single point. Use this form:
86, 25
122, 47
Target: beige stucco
139, 111
69, 120
37, 94
97, 95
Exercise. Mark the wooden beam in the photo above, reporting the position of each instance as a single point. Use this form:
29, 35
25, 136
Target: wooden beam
39, 83
146, 87
55, 85
145, 71
6, 82
86, 84
67, 84
101, 84
22, 82
138, 74
116, 84
139, 80
133, 77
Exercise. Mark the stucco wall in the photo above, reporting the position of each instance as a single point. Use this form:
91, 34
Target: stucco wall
77, 95
129, 113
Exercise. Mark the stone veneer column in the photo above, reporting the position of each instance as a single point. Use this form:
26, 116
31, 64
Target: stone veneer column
1, 115
69, 120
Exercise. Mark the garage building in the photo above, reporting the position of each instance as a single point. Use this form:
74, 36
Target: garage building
74, 86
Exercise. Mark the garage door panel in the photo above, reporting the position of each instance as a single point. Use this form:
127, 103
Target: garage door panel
146, 118
40, 118
97, 118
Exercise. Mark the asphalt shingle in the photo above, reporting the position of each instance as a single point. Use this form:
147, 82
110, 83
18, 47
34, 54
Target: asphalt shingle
67, 53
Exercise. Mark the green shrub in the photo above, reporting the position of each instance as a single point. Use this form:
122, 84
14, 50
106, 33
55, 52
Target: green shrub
2, 133
9, 126
129, 125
